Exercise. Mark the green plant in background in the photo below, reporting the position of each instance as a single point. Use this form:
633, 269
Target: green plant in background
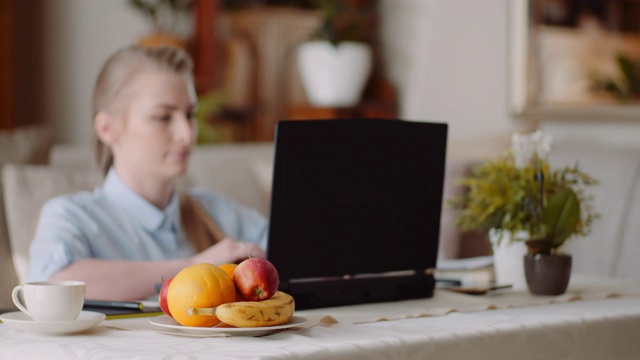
626, 86
346, 20
164, 15
208, 105
519, 191
340, 20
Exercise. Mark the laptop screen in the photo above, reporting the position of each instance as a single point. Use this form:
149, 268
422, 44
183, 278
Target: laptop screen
354, 197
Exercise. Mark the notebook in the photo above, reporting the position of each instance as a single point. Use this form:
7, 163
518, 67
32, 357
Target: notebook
123, 309
355, 209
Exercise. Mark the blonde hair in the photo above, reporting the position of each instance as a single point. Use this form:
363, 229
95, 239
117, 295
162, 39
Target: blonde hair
117, 73
202, 231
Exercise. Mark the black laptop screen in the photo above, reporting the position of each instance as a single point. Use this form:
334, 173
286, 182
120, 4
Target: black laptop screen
354, 197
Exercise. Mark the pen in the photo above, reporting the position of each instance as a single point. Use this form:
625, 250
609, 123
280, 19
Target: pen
115, 304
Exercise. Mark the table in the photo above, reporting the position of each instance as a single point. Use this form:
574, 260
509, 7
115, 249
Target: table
594, 320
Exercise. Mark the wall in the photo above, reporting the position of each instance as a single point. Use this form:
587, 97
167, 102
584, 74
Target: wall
623, 133
449, 58
80, 35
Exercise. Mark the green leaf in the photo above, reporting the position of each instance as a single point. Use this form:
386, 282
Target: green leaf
209, 104
561, 216
627, 68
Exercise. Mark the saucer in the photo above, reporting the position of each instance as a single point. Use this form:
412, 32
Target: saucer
20, 321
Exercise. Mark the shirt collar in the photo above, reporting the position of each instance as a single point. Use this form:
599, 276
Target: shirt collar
137, 207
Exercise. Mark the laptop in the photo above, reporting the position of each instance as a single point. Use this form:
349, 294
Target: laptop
355, 209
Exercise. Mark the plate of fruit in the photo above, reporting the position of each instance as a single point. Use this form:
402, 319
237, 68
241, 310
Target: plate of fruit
226, 300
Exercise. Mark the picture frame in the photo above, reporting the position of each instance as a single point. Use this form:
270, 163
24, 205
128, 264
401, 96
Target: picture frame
557, 71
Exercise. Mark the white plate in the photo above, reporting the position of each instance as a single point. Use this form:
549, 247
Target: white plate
22, 322
167, 322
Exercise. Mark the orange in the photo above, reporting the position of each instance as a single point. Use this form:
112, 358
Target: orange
228, 268
199, 286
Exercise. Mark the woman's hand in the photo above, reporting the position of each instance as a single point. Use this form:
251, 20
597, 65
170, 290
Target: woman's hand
227, 251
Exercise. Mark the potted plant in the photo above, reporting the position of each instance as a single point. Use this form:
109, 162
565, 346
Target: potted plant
625, 85
336, 62
520, 201
170, 21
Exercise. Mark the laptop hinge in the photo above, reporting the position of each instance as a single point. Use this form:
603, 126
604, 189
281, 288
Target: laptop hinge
337, 292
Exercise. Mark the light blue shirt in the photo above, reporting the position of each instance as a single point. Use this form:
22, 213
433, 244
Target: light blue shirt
114, 222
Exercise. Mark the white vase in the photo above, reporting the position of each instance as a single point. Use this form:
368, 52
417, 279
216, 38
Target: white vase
334, 76
508, 258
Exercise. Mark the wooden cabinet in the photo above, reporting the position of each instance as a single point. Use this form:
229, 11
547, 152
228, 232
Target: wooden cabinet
254, 64
21, 62
7, 58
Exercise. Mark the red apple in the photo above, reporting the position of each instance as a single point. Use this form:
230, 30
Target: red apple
256, 279
162, 297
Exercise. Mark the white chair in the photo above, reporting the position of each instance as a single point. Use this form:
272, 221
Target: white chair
26, 189
25, 144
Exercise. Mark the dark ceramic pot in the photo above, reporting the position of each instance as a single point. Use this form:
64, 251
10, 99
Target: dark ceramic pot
547, 274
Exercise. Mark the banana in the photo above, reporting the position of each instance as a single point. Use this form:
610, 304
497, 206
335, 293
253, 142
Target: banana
275, 311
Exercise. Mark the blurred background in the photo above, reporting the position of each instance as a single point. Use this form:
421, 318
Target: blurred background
433, 60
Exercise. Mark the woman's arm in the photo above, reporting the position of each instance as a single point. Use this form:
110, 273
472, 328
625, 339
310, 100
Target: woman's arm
120, 280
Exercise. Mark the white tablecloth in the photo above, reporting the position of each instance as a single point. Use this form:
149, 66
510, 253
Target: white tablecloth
593, 321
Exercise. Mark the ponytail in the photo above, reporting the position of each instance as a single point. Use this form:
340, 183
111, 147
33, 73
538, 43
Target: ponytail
201, 229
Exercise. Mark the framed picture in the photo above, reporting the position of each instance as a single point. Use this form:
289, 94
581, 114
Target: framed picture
575, 59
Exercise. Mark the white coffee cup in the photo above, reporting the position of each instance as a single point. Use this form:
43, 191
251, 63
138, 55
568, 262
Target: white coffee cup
50, 300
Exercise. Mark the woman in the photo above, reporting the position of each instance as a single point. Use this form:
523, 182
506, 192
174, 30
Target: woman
135, 229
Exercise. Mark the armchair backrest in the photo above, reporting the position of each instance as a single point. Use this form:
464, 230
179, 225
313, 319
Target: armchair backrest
26, 189
25, 144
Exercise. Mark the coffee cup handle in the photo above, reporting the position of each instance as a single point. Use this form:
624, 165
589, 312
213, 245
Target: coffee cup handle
16, 299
